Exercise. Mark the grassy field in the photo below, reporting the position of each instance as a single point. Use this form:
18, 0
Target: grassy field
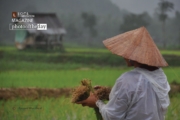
69, 78
44, 69
60, 109
82, 50
48, 109
12, 59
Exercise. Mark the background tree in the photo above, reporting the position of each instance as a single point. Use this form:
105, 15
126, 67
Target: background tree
90, 22
164, 7
177, 27
133, 21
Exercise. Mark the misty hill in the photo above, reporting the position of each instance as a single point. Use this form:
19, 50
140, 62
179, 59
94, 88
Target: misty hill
98, 7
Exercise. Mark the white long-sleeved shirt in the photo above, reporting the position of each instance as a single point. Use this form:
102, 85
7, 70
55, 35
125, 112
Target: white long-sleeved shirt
137, 95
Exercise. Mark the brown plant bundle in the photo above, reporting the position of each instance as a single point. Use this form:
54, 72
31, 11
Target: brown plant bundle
82, 92
102, 92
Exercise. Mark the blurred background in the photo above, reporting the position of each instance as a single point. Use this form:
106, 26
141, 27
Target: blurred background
89, 22
39, 69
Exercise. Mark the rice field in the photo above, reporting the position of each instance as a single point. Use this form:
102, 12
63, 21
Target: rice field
48, 109
96, 50
70, 78
15, 74
60, 109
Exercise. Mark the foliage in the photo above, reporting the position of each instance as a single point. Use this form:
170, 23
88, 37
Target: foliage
134, 21
90, 22
164, 7
177, 26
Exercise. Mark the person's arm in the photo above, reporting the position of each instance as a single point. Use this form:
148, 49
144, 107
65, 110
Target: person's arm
118, 104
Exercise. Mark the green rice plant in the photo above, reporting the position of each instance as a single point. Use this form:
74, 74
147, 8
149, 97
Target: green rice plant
170, 52
172, 74
174, 108
58, 78
46, 109
69, 78
60, 109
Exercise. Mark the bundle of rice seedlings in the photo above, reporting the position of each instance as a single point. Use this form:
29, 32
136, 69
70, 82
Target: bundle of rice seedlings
82, 92
102, 92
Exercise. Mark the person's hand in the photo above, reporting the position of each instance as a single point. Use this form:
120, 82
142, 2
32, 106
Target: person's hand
90, 101
97, 87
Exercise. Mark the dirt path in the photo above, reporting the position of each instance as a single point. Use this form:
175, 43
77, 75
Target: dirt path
38, 93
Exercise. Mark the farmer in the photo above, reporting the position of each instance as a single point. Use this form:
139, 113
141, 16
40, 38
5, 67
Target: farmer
142, 93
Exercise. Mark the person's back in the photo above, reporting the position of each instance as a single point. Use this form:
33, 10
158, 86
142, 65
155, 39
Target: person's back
145, 104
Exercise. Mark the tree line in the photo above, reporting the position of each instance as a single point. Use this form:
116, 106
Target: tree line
90, 30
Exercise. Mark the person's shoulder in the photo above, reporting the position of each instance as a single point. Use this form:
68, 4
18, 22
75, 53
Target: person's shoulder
129, 76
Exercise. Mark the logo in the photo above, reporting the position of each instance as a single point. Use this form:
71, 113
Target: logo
24, 21
41, 26
25, 26
14, 15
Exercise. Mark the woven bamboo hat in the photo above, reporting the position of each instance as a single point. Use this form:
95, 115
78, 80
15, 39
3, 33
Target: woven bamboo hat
136, 45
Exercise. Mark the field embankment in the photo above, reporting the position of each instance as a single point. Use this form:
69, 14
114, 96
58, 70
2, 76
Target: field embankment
41, 93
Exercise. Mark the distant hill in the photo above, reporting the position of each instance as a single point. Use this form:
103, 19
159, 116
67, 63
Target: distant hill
60, 7
99, 7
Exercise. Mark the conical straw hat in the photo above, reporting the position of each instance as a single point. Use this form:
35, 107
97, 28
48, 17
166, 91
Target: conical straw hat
136, 45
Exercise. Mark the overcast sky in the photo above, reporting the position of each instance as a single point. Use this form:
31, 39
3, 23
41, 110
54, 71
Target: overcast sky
139, 6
